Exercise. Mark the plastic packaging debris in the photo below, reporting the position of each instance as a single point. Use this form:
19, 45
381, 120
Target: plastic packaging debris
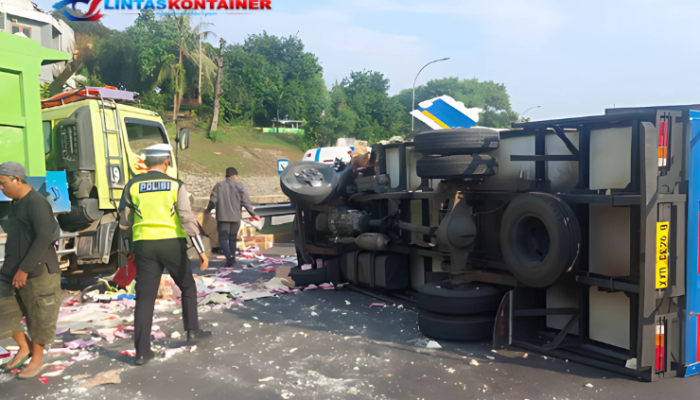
347, 303
175, 335
83, 356
268, 379
588, 385
171, 352
59, 351
474, 363
311, 287
43, 380
378, 305
246, 325
104, 378
327, 286
306, 267
433, 345
129, 353
80, 344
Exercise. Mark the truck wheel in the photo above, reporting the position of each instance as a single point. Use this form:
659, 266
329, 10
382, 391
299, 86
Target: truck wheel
540, 239
314, 276
448, 327
457, 167
456, 141
451, 298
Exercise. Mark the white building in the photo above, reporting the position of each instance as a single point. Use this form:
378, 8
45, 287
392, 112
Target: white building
23, 17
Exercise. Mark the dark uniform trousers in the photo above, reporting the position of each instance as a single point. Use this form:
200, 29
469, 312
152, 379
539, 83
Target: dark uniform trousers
151, 257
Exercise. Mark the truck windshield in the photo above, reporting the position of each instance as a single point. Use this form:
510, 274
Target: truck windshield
144, 135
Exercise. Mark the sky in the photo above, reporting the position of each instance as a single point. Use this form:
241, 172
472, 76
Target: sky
570, 58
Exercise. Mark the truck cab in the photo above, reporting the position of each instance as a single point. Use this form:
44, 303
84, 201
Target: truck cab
80, 149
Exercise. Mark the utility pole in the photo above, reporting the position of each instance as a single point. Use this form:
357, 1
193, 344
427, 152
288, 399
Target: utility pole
413, 104
199, 80
217, 91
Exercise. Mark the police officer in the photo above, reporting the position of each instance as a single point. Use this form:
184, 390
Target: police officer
156, 209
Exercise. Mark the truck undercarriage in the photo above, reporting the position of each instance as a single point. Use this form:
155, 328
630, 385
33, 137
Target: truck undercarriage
578, 227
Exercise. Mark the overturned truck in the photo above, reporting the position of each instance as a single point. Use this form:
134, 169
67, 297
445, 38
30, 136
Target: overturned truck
576, 238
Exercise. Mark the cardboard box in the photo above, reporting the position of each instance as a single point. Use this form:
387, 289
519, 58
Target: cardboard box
265, 239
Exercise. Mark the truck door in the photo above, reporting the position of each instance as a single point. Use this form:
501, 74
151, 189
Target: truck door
692, 309
142, 133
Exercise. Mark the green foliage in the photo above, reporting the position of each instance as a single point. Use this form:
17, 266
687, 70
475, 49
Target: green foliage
264, 78
487, 95
45, 94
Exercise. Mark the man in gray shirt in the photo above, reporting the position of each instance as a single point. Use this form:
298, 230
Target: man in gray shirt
227, 198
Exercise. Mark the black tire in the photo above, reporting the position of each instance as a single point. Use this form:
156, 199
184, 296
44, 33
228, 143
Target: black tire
457, 329
314, 276
456, 141
540, 239
457, 167
451, 298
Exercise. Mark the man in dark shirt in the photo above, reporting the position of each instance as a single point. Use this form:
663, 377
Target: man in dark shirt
30, 278
227, 198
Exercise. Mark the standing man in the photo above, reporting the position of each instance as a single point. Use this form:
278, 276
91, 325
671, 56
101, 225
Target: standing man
227, 198
156, 209
30, 278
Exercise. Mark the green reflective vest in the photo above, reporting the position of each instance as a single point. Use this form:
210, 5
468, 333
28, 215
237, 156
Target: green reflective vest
155, 209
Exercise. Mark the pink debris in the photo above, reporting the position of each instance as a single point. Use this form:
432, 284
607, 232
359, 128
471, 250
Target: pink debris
218, 308
172, 352
59, 351
83, 356
79, 344
306, 267
128, 303
61, 331
296, 291
159, 335
378, 305
122, 335
128, 329
327, 286
43, 380
268, 269
311, 287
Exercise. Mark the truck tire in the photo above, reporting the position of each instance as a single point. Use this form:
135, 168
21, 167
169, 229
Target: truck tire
540, 239
314, 276
456, 141
457, 329
449, 298
457, 167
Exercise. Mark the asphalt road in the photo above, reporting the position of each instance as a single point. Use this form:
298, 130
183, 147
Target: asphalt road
332, 345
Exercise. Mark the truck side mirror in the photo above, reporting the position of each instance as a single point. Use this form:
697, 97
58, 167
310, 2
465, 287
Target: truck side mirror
183, 138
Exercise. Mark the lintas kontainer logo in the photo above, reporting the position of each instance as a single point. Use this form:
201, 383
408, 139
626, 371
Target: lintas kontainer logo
94, 13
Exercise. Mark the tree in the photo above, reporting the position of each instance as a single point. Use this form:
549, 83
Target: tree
215, 116
487, 95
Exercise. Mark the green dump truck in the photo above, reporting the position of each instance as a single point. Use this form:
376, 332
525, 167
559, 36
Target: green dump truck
79, 148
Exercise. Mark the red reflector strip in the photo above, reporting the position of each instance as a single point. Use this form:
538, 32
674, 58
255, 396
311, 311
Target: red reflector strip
663, 143
660, 348
328, 160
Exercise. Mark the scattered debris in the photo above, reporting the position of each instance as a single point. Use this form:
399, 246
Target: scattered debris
175, 335
292, 350
268, 379
246, 326
474, 363
347, 303
588, 385
525, 355
43, 380
433, 345
378, 305
104, 378
451, 370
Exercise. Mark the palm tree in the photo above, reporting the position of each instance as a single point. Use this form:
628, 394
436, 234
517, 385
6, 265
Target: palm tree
172, 68
203, 35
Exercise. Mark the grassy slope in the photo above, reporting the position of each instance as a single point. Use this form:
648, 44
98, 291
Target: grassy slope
251, 152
